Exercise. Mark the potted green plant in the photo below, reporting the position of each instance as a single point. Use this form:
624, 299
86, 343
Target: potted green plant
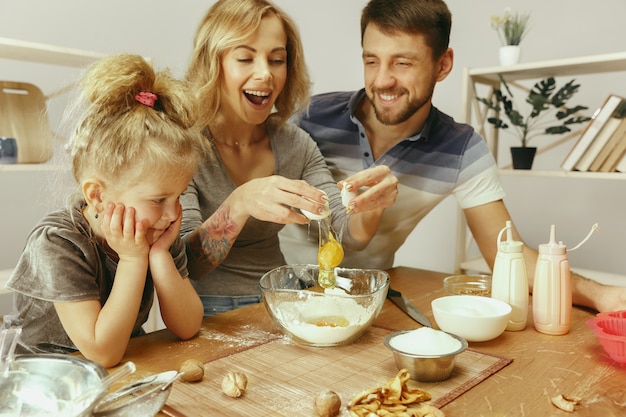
511, 28
545, 101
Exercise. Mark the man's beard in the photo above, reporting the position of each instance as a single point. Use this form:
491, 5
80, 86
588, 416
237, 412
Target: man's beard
390, 118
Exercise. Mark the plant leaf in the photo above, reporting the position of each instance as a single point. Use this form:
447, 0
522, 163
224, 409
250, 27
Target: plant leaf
577, 119
538, 102
493, 105
555, 130
516, 118
498, 123
565, 93
565, 112
539, 96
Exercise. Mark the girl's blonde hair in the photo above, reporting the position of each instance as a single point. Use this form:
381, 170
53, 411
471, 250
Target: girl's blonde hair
228, 23
122, 140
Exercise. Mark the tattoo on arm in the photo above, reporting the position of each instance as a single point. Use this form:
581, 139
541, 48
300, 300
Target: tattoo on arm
216, 237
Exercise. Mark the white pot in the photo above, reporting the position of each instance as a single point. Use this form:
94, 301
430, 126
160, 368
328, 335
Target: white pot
510, 55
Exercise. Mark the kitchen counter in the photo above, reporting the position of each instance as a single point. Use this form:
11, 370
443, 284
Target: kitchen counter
543, 366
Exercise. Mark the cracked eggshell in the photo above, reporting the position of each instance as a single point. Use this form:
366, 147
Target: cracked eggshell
346, 195
315, 216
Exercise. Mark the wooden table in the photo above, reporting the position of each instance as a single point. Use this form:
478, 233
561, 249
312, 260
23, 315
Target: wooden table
543, 366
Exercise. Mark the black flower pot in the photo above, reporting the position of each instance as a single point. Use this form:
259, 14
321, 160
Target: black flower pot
522, 157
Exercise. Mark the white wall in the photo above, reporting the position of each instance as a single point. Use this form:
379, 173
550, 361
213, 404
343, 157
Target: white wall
163, 30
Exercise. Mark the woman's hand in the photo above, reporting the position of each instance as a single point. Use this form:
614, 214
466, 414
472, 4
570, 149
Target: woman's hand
273, 199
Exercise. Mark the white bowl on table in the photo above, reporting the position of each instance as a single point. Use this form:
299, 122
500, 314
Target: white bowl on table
473, 317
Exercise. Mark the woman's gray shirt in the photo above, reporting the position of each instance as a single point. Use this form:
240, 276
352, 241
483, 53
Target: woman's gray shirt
256, 250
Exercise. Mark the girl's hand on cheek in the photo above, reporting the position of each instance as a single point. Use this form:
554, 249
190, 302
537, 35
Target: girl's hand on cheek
123, 234
165, 241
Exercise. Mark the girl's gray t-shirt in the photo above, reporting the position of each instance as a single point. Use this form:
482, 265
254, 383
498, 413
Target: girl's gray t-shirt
63, 262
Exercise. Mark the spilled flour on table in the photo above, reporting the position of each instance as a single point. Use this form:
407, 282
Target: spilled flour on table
243, 336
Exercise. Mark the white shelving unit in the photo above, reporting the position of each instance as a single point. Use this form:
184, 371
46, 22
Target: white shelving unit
474, 112
39, 53
46, 54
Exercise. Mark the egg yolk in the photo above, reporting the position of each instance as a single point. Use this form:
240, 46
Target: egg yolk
329, 256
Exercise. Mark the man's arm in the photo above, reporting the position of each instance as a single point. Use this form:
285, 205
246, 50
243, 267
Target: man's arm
485, 222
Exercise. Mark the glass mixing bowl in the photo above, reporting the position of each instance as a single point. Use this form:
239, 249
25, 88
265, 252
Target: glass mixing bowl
313, 316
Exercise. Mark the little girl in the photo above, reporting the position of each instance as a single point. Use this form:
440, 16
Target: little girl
87, 276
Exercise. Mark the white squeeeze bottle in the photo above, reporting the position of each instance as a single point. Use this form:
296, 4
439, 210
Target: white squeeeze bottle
510, 280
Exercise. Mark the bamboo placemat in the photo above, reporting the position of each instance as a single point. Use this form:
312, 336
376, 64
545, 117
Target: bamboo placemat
284, 378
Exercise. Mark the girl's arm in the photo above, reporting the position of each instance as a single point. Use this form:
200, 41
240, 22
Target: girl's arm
180, 306
101, 333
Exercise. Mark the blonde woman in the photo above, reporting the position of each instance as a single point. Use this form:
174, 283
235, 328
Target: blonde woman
249, 75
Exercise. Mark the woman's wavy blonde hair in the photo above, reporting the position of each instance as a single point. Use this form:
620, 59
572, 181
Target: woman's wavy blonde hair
228, 23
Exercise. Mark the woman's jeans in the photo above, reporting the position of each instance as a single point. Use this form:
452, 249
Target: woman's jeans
215, 304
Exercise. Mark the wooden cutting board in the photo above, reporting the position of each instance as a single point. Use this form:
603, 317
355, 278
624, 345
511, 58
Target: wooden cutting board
23, 116
284, 378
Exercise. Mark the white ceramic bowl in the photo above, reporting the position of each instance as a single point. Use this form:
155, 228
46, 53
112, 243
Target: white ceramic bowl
473, 317
313, 316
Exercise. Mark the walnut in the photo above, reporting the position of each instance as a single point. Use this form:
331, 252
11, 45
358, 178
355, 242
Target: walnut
565, 403
192, 370
327, 404
234, 384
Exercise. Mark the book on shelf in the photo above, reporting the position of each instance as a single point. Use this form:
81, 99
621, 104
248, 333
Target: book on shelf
613, 149
595, 125
605, 142
621, 164
617, 154
596, 146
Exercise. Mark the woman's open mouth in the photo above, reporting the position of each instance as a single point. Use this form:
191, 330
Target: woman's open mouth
257, 97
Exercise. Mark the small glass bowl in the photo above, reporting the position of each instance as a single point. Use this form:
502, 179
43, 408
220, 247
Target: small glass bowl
468, 285
314, 316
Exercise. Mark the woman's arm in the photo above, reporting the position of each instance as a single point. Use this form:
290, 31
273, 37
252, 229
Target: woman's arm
269, 199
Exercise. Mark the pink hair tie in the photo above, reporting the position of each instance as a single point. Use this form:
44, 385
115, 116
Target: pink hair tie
146, 98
